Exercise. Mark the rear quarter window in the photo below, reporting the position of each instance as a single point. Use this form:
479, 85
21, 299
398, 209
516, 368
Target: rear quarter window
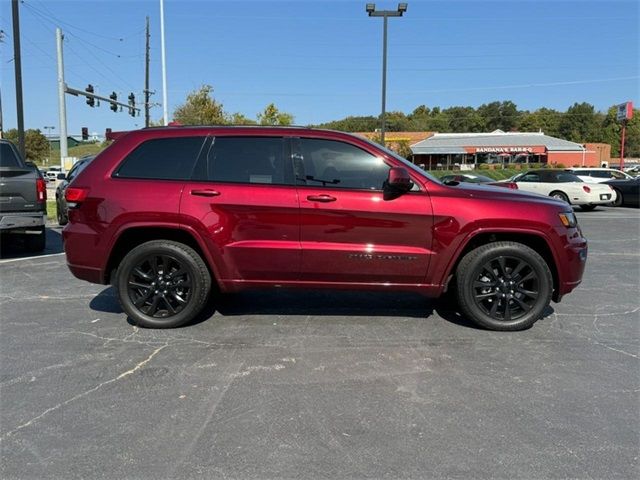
162, 159
8, 157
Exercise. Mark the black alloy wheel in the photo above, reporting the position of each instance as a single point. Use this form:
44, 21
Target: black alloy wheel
162, 284
506, 288
503, 285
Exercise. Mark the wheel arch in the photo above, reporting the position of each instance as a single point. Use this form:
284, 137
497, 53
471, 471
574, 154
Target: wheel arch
536, 241
137, 235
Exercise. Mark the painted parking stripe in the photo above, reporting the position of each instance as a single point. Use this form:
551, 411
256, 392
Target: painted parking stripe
30, 258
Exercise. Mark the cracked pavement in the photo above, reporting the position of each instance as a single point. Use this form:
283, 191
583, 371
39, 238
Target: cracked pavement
292, 384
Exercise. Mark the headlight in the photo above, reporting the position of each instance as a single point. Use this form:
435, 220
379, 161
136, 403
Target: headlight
568, 219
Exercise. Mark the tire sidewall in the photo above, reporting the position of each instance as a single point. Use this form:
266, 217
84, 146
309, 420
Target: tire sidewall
619, 199
558, 195
132, 259
465, 287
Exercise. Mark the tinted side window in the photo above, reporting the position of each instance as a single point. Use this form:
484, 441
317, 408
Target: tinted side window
601, 174
617, 175
248, 160
7, 156
566, 178
529, 177
162, 159
340, 165
76, 169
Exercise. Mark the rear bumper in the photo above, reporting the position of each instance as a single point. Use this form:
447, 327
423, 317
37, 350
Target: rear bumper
22, 220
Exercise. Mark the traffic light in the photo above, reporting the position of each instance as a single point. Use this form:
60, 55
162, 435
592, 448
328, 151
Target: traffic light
85, 134
114, 97
90, 100
132, 104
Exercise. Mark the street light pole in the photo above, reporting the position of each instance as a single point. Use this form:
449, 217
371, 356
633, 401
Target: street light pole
385, 14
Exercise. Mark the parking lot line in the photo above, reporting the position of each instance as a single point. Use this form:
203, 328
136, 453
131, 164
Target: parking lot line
30, 258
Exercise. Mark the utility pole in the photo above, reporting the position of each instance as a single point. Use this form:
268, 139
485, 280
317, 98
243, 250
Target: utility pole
165, 107
64, 152
17, 62
147, 93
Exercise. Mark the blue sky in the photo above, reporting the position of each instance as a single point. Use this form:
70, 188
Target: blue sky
321, 61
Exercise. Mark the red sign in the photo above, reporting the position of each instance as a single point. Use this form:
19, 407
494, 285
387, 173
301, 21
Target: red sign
624, 111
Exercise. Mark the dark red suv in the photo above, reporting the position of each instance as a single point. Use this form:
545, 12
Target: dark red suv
169, 215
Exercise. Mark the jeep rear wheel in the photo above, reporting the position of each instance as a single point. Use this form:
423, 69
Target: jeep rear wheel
162, 284
504, 286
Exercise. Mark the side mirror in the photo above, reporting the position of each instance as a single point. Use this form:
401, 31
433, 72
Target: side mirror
399, 179
61, 176
398, 182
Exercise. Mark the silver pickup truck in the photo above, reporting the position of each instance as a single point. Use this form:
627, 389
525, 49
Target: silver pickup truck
23, 199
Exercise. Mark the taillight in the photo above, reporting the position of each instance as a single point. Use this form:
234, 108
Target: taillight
41, 190
586, 189
75, 195
513, 185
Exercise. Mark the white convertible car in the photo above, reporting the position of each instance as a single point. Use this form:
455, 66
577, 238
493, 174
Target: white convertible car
565, 186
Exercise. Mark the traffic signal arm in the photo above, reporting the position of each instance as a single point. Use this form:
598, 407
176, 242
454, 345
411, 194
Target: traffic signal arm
88, 95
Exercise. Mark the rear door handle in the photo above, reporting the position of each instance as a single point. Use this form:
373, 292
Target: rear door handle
321, 198
205, 193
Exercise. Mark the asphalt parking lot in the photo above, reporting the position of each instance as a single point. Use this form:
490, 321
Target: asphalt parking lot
286, 384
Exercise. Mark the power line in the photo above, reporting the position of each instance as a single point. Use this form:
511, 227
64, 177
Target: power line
49, 13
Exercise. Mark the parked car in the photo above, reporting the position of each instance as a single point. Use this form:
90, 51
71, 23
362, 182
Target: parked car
473, 178
632, 169
565, 186
166, 213
23, 199
599, 175
62, 210
627, 192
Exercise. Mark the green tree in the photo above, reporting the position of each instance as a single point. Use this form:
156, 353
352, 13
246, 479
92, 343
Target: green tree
403, 148
611, 132
581, 123
545, 119
272, 116
240, 119
36, 144
397, 122
499, 115
353, 124
200, 108
464, 119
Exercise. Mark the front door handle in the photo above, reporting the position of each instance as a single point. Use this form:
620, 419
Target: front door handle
321, 198
205, 193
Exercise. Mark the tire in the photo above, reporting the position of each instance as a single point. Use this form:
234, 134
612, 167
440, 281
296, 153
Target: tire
184, 295
587, 208
35, 243
509, 301
619, 199
63, 218
560, 196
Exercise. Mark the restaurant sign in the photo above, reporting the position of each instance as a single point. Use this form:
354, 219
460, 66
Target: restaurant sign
504, 149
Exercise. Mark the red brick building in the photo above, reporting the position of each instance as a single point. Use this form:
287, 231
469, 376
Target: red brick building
467, 150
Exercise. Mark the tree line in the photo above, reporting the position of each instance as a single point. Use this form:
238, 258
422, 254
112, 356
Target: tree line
580, 123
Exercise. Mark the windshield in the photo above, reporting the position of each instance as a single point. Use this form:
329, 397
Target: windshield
404, 161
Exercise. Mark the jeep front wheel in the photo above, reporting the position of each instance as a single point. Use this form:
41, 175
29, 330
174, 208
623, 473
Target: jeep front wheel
504, 286
162, 284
